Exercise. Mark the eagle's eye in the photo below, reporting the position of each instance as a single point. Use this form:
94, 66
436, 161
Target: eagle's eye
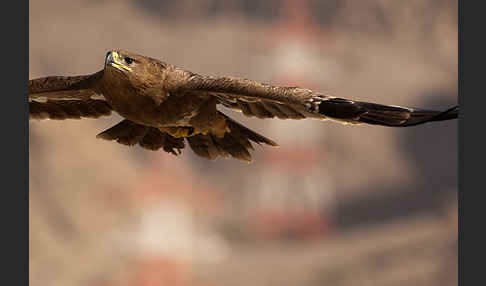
129, 60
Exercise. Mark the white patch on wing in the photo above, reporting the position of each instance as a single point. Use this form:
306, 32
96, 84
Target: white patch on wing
44, 99
98, 97
65, 95
41, 99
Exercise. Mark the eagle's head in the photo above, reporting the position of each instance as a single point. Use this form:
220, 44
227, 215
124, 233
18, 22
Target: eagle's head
133, 67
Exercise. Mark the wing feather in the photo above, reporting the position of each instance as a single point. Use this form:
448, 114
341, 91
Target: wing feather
67, 97
267, 101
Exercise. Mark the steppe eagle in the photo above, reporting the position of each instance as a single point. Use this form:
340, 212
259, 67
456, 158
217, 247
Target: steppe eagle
163, 105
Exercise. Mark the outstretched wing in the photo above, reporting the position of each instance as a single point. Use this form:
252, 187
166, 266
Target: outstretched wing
267, 101
67, 97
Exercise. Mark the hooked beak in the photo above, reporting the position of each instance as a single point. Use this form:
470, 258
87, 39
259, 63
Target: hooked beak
114, 59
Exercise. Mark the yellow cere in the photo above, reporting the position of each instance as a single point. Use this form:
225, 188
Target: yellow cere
116, 63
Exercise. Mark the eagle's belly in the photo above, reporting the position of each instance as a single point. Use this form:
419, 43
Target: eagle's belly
175, 110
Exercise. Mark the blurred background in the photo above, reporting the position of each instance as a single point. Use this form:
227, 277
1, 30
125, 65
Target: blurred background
334, 205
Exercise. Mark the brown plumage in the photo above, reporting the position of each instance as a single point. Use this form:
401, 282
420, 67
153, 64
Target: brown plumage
163, 105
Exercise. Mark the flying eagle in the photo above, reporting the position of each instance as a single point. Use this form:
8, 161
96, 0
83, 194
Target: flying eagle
163, 105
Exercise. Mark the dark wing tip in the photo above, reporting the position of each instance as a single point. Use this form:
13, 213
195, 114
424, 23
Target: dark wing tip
418, 117
378, 114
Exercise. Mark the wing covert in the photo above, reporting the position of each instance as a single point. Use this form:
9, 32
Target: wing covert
67, 97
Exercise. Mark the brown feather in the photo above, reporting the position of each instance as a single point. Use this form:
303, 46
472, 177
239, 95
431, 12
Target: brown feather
68, 109
126, 132
274, 110
235, 143
77, 87
153, 139
259, 111
130, 133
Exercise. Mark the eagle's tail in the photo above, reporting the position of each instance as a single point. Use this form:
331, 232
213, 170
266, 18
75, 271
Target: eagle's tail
235, 143
378, 114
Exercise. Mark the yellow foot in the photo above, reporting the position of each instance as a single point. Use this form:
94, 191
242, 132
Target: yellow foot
180, 132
